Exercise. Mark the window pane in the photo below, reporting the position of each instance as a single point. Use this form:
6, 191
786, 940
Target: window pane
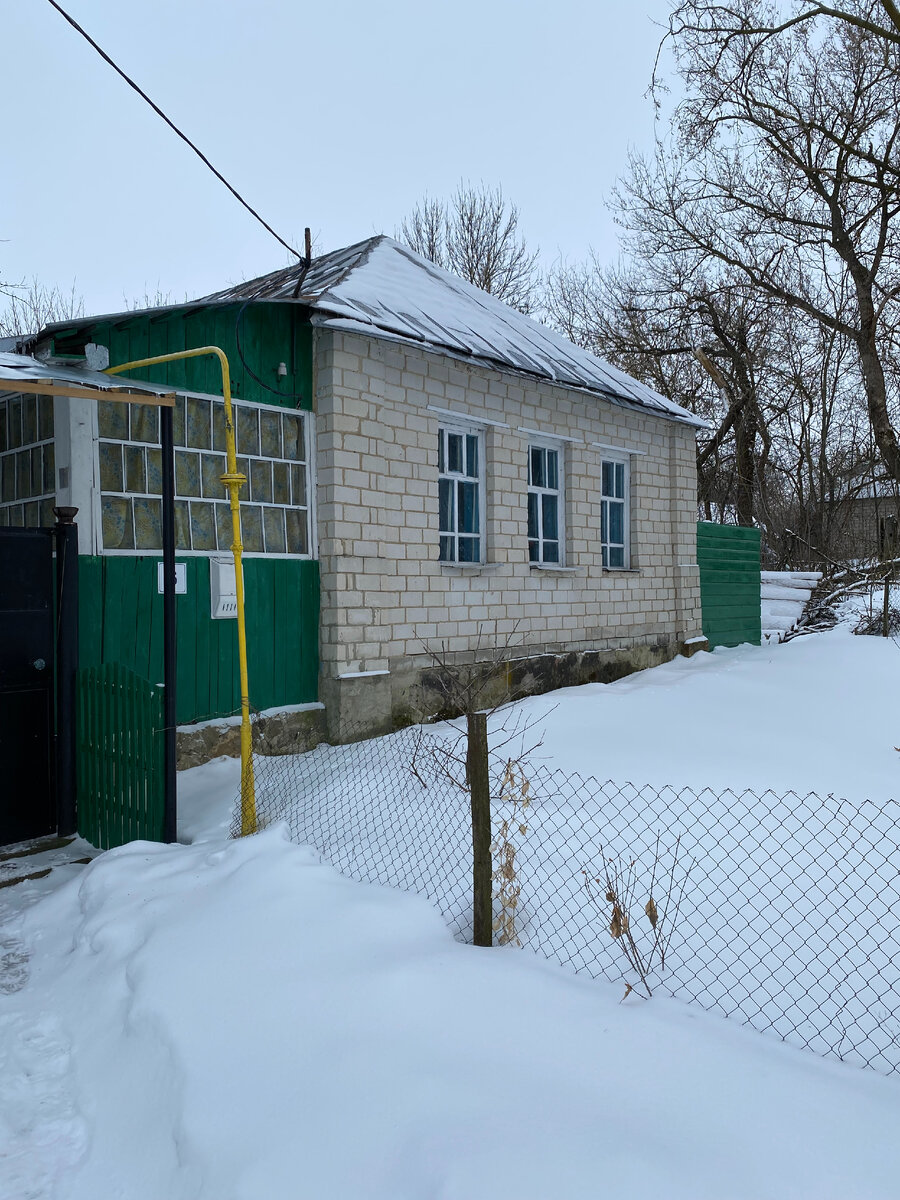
118, 532
293, 437
251, 528
298, 485
261, 481
441, 451
218, 425
552, 469
534, 552
604, 506
45, 417
281, 482
178, 421
8, 477
445, 506
187, 473
154, 471
29, 420
4, 408
15, 422
47, 517
297, 536
4, 518
224, 534
203, 526
49, 468
16, 515
616, 523
144, 423
273, 523
212, 469
605, 557
23, 474
247, 430
446, 551
198, 430
537, 466
467, 507
111, 476
455, 452
469, 549
616, 556
112, 419
549, 512
135, 472
182, 525
270, 433
147, 524
472, 456
551, 552
37, 472
32, 516
620, 480
533, 529
607, 482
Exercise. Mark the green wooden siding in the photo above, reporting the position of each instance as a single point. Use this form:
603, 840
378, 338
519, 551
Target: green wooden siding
270, 334
728, 557
121, 621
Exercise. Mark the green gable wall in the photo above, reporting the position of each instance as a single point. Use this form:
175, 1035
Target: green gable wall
121, 621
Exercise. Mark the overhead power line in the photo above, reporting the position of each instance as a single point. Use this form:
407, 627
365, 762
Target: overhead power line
159, 112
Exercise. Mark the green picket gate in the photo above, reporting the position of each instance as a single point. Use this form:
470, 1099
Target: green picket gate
120, 757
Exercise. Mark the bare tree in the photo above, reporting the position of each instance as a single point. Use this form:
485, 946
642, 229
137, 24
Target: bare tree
475, 234
29, 307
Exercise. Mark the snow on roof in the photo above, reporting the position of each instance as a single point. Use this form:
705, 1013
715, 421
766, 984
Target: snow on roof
16, 369
383, 288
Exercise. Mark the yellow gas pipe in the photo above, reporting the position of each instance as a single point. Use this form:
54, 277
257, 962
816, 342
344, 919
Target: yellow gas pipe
232, 480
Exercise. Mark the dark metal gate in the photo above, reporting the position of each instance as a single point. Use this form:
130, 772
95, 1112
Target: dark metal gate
27, 752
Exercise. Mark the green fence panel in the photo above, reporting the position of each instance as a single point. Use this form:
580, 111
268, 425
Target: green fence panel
729, 562
120, 757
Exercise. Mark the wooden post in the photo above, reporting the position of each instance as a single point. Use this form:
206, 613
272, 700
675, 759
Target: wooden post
480, 795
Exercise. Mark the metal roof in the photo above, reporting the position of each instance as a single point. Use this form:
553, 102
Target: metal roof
19, 372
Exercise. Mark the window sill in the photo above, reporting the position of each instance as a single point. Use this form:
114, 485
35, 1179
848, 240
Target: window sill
621, 570
553, 569
469, 568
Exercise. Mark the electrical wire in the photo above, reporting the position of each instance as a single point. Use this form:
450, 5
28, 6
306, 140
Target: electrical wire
159, 112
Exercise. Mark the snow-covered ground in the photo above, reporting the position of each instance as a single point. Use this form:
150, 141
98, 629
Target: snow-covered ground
234, 1020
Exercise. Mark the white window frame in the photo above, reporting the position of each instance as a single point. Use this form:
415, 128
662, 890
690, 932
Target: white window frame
546, 443
616, 460
463, 430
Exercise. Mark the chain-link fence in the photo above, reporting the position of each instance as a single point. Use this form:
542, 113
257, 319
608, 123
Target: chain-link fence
780, 910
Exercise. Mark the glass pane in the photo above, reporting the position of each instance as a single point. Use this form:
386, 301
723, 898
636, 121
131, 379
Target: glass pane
293, 437
135, 471
8, 477
112, 419
551, 552
533, 530
273, 524
603, 523
29, 420
144, 423
243, 468
4, 518
182, 525
118, 532
455, 452
605, 557
198, 430
147, 524
203, 526
251, 528
16, 515
15, 422
247, 430
154, 471
533, 553
23, 474
616, 523
469, 549
218, 425
224, 535
620, 480
45, 418
446, 550
178, 421
472, 456
32, 516
616, 556
607, 482
37, 473
187, 473
111, 476
552, 468
4, 408
550, 513
270, 433
298, 485
467, 507
441, 451
536, 456
281, 482
445, 505
212, 469
297, 538
47, 517
49, 468
261, 481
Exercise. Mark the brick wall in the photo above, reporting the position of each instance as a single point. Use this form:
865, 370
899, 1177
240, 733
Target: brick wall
383, 588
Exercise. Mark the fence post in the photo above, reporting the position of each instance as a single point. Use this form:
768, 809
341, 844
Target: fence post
480, 795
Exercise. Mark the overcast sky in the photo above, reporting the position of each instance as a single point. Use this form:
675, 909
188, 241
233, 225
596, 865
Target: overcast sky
337, 115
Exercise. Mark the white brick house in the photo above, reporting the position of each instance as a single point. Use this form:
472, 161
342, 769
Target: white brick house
478, 474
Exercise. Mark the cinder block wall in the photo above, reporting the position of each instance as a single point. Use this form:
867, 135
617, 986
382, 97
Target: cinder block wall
383, 590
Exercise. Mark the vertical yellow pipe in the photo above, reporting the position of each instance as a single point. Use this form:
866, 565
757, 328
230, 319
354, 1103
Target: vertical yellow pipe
233, 481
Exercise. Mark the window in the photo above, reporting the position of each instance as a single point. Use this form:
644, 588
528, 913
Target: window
271, 447
27, 466
614, 512
545, 535
460, 494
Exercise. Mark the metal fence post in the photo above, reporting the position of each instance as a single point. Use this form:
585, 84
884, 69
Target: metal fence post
480, 795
